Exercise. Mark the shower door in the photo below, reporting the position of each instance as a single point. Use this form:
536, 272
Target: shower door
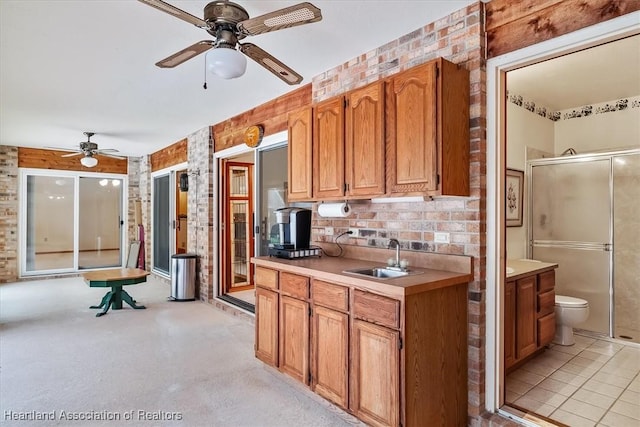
626, 253
570, 219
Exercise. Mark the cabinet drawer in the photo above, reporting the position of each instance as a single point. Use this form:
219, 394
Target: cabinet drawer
546, 303
376, 308
266, 278
546, 329
330, 295
546, 281
294, 285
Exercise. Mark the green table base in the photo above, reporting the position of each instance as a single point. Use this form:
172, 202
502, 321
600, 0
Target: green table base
114, 299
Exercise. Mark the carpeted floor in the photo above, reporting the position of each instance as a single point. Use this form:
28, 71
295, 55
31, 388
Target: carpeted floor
173, 364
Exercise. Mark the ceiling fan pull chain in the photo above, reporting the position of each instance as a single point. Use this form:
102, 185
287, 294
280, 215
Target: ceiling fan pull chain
204, 86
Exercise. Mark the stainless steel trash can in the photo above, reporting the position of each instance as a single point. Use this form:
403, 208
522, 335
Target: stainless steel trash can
183, 277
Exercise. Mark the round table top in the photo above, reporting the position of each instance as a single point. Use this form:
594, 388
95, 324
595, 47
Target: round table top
115, 274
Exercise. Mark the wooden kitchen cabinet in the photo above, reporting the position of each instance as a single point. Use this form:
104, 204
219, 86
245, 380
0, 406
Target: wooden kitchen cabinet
364, 141
349, 146
294, 326
294, 338
427, 130
330, 355
266, 346
330, 342
389, 359
375, 374
300, 157
328, 149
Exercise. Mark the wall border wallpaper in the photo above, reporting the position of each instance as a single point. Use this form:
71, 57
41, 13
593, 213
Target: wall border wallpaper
573, 113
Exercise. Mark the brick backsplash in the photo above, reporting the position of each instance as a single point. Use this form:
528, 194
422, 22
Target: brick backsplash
459, 38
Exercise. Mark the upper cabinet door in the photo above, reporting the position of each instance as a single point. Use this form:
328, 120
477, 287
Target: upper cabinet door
365, 145
300, 155
328, 149
411, 130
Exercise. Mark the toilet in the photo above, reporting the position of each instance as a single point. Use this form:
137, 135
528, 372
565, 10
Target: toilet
570, 312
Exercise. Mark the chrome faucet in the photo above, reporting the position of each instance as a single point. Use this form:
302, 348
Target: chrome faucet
397, 243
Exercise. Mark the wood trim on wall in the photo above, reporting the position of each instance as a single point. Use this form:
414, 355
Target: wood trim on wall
172, 155
514, 25
271, 115
52, 159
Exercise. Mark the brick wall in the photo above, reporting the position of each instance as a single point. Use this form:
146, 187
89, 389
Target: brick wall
141, 173
8, 213
459, 38
200, 208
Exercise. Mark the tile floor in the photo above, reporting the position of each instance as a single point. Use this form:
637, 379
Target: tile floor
595, 382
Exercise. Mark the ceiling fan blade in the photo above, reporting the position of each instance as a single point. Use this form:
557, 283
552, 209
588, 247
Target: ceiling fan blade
106, 150
185, 54
63, 149
178, 13
303, 13
110, 155
80, 153
270, 63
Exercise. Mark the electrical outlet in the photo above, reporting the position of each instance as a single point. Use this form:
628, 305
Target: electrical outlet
354, 232
328, 231
441, 237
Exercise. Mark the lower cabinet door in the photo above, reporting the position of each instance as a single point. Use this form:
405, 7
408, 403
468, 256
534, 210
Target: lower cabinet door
294, 338
375, 374
526, 295
509, 324
267, 326
330, 355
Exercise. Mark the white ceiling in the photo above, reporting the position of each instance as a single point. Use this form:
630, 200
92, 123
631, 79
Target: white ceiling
600, 74
72, 66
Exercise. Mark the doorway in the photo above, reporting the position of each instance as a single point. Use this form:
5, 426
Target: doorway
72, 222
252, 183
182, 191
169, 217
237, 215
497, 147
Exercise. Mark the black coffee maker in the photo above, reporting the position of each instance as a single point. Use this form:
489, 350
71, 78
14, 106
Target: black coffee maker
292, 229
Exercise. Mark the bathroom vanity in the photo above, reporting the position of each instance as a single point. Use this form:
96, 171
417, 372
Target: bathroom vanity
391, 351
529, 309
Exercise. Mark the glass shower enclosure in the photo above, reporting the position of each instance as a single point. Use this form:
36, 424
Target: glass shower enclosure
583, 216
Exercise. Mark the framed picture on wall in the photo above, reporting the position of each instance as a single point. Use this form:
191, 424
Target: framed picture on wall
514, 189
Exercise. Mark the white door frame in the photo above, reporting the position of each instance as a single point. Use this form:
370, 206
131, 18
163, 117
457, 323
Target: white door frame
237, 150
497, 67
171, 170
75, 175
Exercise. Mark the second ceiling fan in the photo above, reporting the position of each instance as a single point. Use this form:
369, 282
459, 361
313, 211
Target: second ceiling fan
229, 22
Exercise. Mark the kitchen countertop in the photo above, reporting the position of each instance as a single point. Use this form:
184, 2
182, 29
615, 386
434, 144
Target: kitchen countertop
331, 269
526, 267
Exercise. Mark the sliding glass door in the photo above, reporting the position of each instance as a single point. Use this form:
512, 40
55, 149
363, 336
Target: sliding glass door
50, 231
100, 223
161, 226
70, 222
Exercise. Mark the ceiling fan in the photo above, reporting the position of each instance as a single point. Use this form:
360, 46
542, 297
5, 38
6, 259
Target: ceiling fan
229, 22
89, 150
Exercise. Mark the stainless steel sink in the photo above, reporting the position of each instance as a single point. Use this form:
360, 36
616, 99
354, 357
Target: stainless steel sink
380, 272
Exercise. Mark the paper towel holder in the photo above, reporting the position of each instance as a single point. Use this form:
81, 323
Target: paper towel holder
344, 208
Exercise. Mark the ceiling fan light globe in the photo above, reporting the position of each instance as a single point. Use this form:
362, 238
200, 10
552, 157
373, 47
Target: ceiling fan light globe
226, 63
89, 162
